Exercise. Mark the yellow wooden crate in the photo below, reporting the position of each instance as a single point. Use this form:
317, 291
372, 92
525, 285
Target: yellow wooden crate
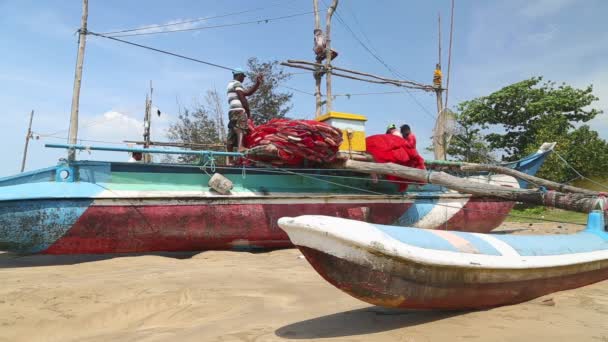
349, 124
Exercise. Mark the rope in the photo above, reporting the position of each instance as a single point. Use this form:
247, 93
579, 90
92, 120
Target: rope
578, 173
161, 51
192, 20
259, 21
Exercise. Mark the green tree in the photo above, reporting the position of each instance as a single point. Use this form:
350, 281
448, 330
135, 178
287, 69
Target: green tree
521, 116
199, 128
468, 142
526, 108
268, 102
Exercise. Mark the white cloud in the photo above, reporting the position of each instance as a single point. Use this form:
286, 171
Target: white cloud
115, 127
171, 25
541, 8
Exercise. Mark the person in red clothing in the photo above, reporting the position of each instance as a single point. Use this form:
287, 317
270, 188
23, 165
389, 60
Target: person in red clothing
392, 129
406, 133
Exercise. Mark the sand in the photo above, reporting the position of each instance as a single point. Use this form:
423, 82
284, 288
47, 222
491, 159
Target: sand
240, 296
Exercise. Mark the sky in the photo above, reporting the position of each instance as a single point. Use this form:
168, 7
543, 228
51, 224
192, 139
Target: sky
495, 43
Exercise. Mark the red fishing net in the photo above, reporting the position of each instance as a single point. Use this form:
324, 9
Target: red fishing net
297, 140
388, 148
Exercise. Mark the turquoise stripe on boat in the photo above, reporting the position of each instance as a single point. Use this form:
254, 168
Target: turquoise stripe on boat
481, 245
49, 190
416, 212
33, 226
555, 244
417, 237
593, 238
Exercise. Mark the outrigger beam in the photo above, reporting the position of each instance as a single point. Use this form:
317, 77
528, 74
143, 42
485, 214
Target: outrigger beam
583, 203
144, 150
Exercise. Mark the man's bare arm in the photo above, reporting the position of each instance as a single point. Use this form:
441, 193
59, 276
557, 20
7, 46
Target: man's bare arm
242, 97
258, 82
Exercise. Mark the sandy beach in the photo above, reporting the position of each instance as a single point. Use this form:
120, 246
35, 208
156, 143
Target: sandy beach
241, 296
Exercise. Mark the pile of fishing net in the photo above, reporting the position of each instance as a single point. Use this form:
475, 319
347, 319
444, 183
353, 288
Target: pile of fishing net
295, 141
388, 148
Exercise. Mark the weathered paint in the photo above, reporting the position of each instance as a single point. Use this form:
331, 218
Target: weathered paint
32, 226
426, 269
156, 207
144, 228
447, 291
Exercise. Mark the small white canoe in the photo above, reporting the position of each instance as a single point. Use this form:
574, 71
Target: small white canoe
433, 269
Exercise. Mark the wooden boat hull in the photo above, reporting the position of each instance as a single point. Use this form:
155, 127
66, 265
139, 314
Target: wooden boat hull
128, 207
472, 271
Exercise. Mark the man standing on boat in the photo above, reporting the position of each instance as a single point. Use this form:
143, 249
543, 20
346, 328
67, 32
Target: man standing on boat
239, 112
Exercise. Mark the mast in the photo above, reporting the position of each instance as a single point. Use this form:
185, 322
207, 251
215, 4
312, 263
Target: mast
82, 36
28, 136
439, 148
147, 122
317, 74
330, 12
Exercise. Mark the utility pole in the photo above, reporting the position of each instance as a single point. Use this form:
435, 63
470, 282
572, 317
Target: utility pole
28, 136
330, 12
82, 36
317, 74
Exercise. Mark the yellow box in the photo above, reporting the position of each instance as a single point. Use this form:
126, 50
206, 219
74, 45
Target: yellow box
348, 123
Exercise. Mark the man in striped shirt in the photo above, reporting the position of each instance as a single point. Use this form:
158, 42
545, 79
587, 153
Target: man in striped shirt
239, 113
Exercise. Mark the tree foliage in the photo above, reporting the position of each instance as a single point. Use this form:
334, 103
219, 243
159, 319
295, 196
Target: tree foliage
201, 125
268, 102
518, 118
468, 142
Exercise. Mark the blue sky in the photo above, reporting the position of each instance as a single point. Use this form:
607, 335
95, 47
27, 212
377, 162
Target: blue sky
495, 44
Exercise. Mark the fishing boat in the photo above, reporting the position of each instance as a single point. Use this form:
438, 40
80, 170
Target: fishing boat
91, 207
414, 268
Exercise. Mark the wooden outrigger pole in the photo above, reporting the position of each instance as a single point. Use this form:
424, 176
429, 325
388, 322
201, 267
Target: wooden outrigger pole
579, 202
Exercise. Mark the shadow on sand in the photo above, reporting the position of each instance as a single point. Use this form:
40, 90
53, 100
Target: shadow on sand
13, 260
361, 321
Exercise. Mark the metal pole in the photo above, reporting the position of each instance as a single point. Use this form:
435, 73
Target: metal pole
27, 141
73, 136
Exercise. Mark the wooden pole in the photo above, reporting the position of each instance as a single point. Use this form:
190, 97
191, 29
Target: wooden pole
439, 149
447, 84
147, 158
82, 36
317, 74
28, 136
404, 82
574, 202
330, 12
531, 179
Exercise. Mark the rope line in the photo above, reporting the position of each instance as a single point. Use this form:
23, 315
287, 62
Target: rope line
578, 173
192, 20
160, 51
259, 21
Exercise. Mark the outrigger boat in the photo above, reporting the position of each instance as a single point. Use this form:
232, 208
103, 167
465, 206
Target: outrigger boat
414, 268
117, 207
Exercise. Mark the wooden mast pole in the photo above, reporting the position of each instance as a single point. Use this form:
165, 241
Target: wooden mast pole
28, 136
328, 96
147, 124
439, 138
82, 36
317, 74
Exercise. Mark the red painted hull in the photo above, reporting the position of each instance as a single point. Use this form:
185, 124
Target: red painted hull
148, 228
444, 289
480, 215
